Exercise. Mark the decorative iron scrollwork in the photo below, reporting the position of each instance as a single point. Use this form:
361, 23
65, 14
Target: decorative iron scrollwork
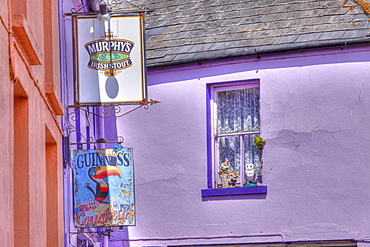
113, 110
112, 3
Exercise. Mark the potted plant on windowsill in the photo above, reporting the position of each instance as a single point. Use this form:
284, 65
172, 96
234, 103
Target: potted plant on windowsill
250, 172
259, 143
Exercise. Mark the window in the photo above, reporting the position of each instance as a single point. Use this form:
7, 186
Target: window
234, 111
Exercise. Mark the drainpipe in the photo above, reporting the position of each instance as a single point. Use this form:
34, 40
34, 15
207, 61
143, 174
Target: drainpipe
105, 242
95, 239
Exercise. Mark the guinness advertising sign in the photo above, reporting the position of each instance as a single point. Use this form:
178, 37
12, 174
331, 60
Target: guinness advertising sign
109, 60
103, 185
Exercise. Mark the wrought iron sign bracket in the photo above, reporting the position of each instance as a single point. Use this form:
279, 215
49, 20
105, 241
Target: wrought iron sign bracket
114, 110
101, 112
100, 141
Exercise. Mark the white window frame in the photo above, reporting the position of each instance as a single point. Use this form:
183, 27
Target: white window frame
213, 111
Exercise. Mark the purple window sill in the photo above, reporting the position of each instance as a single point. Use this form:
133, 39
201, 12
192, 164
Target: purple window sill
235, 191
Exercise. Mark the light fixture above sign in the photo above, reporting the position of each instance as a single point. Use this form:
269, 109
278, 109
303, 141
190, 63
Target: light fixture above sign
104, 14
109, 59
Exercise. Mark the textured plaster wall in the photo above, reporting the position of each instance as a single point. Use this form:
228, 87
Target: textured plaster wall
34, 207
6, 142
315, 115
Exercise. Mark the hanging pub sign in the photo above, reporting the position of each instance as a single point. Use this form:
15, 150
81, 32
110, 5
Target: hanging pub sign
109, 60
103, 188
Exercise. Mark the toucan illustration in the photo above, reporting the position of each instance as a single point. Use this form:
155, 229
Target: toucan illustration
97, 174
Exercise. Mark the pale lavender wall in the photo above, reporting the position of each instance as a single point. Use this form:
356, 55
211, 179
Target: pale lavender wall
315, 115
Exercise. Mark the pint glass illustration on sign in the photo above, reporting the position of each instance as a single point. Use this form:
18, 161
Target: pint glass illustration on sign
104, 188
109, 61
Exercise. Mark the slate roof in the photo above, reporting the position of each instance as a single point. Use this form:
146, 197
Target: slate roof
183, 31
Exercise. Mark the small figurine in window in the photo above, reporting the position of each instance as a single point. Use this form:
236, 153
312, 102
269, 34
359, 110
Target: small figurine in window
233, 178
224, 174
250, 176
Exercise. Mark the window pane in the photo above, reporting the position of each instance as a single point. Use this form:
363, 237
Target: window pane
238, 110
229, 150
252, 156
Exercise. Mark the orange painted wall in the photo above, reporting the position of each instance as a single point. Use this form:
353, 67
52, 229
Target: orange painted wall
31, 134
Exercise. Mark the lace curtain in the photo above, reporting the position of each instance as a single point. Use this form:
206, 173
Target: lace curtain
238, 111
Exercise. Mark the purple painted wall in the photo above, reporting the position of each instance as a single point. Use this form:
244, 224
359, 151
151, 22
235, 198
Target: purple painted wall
315, 116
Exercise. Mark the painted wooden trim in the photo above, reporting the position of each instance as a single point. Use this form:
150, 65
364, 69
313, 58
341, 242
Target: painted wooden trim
234, 191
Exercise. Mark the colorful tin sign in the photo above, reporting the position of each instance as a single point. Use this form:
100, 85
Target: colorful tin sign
104, 188
109, 60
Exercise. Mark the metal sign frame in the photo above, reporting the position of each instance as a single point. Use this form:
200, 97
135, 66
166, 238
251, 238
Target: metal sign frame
109, 60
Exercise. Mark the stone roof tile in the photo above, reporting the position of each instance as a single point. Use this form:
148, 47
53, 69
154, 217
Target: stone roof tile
308, 37
186, 56
357, 10
331, 35
200, 47
173, 29
221, 45
181, 49
178, 35
158, 53
355, 34
205, 54
361, 17
365, 24
231, 52
286, 39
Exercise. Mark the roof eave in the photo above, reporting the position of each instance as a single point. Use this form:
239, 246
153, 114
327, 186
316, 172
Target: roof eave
268, 50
